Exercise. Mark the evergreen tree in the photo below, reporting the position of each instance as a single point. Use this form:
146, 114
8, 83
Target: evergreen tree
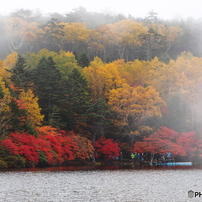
20, 75
19, 120
99, 119
47, 80
83, 60
75, 54
21, 80
78, 101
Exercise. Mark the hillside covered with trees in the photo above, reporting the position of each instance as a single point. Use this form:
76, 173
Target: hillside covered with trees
72, 89
110, 37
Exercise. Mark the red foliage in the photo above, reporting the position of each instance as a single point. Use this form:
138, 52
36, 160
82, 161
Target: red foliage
107, 147
20, 104
188, 142
58, 146
69, 146
45, 146
166, 140
62, 146
8, 144
55, 144
14, 88
26, 145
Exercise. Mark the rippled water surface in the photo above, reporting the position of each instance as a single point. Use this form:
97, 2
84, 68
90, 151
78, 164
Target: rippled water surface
100, 185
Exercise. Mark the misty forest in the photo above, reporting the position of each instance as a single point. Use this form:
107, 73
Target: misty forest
86, 86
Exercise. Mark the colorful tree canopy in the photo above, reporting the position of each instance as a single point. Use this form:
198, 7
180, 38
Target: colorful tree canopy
51, 147
166, 140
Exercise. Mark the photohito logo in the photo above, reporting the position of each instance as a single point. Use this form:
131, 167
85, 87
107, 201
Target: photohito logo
192, 194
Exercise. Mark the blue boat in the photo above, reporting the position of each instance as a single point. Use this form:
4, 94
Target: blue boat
173, 164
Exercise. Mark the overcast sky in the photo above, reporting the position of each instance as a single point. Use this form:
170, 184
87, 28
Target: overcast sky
166, 9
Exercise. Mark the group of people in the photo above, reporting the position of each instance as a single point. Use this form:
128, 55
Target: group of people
141, 157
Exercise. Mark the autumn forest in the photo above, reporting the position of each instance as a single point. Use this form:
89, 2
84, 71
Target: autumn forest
91, 86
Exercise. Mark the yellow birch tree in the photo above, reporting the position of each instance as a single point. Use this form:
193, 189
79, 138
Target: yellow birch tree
33, 111
5, 110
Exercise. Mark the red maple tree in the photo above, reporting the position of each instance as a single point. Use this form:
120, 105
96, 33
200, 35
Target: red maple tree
166, 140
107, 147
55, 146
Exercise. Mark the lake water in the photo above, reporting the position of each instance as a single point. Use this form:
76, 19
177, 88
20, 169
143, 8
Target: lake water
103, 184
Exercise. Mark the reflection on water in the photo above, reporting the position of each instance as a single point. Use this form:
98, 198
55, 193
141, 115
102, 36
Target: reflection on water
106, 183
70, 168
104, 167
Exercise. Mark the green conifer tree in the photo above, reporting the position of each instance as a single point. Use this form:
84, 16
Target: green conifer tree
20, 74
21, 80
99, 119
75, 54
83, 60
78, 101
47, 80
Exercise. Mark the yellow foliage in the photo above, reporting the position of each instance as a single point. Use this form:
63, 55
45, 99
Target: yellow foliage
7, 64
127, 32
75, 32
137, 102
181, 76
32, 108
101, 38
5, 98
31, 31
10, 60
69, 54
178, 76
2, 70
5, 110
103, 78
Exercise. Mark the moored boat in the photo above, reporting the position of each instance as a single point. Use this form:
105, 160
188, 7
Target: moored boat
173, 163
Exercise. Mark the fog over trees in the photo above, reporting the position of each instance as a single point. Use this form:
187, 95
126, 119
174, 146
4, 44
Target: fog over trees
109, 37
